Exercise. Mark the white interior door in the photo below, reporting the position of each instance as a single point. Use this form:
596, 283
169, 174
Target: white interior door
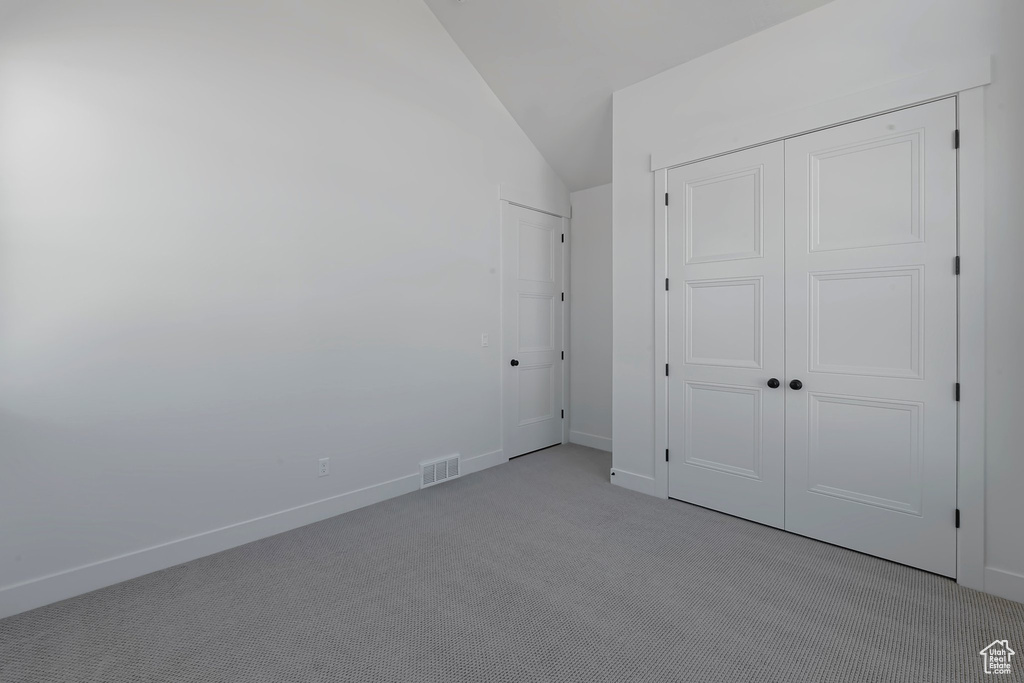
532, 329
871, 335
726, 333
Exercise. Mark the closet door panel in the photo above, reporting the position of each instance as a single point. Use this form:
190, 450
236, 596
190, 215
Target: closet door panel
871, 336
726, 333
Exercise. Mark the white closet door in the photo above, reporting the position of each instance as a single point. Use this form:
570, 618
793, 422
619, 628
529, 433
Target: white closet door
871, 335
726, 333
531, 329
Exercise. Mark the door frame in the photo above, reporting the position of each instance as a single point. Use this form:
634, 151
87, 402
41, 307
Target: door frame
566, 227
964, 81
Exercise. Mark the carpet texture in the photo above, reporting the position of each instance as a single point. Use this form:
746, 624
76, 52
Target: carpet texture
538, 570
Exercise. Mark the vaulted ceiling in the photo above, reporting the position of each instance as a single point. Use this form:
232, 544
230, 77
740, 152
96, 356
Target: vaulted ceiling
555, 63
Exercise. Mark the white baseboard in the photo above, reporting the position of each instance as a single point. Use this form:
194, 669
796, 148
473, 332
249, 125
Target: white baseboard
482, 462
633, 482
20, 597
601, 443
1005, 584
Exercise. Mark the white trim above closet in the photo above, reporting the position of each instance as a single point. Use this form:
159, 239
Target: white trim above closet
914, 89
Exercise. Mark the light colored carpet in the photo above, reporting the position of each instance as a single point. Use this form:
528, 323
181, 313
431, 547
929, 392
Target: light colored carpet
538, 570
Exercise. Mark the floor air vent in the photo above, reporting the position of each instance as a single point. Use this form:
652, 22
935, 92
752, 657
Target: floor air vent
439, 470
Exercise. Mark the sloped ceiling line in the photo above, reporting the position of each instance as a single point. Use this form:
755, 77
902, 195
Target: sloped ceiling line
555, 63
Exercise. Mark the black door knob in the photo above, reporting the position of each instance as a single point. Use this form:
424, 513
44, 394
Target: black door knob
773, 383
796, 385
514, 362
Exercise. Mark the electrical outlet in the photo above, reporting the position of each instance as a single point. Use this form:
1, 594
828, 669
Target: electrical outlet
485, 340
325, 467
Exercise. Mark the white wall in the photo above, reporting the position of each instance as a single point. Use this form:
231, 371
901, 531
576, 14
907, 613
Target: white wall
841, 48
235, 238
1004, 275
590, 352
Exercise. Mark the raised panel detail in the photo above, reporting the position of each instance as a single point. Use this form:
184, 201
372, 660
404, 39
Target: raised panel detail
723, 428
536, 392
723, 217
536, 322
723, 322
867, 195
866, 450
867, 322
536, 253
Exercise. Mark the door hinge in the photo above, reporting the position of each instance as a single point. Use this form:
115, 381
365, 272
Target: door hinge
666, 284
958, 391
956, 265
957, 519
666, 369
956, 139
666, 199
563, 414
563, 237
666, 455
563, 296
